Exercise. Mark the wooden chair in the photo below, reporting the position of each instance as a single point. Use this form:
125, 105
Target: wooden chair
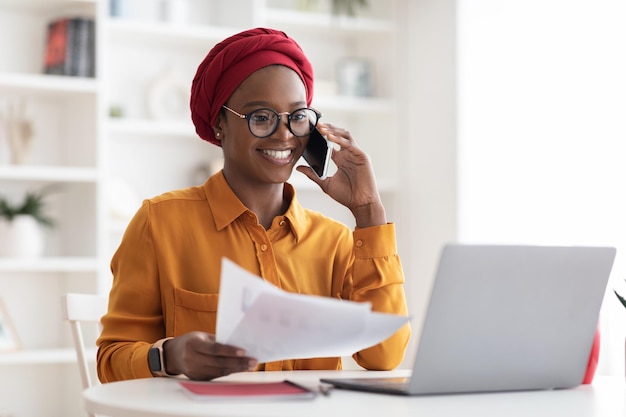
80, 310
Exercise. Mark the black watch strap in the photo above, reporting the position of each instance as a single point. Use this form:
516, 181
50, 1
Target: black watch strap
155, 358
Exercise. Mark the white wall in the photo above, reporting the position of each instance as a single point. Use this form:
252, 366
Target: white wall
541, 106
428, 152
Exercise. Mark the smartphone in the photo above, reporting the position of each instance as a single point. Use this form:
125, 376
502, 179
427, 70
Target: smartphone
317, 153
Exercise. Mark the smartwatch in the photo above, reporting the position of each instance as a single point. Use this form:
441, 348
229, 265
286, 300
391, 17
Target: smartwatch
155, 358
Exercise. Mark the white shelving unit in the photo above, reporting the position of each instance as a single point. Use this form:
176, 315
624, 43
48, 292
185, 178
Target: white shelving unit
150, 148
65, 156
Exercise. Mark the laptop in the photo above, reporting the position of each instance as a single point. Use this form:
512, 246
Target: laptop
504, 318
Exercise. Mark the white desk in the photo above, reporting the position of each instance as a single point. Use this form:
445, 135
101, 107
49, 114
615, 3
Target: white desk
163, 397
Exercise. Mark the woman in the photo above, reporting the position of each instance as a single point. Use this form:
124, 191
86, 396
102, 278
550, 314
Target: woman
249, 96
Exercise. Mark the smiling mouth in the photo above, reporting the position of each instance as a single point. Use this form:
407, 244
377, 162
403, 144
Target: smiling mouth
280, 155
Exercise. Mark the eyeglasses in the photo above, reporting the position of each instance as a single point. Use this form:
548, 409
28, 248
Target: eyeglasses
264, 122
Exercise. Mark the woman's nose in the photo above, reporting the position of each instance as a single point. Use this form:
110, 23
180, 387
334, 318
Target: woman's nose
283, 132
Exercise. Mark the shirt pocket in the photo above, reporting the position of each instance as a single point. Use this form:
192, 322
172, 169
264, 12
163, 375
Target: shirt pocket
194, 312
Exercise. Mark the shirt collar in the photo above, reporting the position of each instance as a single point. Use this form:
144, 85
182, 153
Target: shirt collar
296, 214
226, 206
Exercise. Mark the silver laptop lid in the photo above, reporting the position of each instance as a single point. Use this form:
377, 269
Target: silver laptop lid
510, 318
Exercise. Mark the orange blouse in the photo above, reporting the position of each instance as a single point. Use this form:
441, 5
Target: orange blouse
166, 273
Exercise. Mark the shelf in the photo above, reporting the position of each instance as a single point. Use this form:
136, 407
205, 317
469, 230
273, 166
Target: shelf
34, 6
49, 264
353, 104
185, 128
312, 21
42, 356
43, 83
151, 127
48, 173
166, 33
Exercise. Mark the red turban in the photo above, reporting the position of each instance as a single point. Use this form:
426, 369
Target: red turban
231, 61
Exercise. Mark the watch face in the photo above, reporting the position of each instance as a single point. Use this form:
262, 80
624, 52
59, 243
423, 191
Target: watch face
154, 359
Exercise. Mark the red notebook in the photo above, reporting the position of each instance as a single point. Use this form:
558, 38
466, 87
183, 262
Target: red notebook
283, 390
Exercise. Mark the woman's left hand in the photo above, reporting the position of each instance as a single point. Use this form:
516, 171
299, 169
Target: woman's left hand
354, 183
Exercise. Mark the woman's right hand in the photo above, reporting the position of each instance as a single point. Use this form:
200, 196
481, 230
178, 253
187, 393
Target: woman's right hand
198, 356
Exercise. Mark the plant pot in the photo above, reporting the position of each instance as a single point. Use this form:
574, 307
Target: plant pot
21, 238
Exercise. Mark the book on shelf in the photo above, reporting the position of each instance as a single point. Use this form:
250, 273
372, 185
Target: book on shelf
70, 47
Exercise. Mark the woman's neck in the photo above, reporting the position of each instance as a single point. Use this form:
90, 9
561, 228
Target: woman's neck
265, 200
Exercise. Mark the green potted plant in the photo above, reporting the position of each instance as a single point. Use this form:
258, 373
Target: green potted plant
21, 225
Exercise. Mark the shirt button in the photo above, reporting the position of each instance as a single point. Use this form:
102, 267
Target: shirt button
359, 243
264, 247
282, 223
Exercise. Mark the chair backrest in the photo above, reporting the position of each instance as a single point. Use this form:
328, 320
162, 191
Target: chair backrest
80, 309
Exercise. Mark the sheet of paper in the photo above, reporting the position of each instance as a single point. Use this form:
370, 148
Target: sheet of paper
272, 324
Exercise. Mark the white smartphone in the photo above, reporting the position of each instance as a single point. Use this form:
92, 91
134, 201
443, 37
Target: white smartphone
317, 153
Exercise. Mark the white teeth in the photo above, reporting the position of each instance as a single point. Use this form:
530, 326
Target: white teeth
277, 154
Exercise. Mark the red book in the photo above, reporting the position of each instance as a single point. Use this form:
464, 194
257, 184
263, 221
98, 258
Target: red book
243, 390
58, 57
70, 47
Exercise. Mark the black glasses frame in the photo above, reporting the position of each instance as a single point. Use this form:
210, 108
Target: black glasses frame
278, 117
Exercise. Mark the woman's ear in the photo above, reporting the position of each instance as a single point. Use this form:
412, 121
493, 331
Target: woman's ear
218, 127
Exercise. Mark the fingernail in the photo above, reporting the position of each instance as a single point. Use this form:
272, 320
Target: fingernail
240, 352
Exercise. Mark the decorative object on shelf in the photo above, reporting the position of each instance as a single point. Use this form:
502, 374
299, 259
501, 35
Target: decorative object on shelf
21, 226
116, 111
355, 77
19, 132
9, 341
118, 8
168, 96
70, 47
347, 7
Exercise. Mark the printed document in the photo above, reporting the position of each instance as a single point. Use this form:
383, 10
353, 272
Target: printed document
272, 324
